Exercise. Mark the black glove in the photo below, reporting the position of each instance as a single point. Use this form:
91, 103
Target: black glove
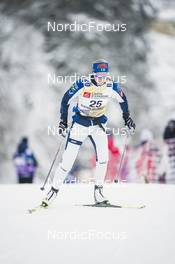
62, 128
128, 121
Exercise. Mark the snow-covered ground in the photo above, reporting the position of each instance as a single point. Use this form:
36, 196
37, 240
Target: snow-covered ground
69, 233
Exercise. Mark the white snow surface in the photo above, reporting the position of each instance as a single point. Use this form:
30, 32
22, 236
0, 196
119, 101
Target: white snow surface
70, 233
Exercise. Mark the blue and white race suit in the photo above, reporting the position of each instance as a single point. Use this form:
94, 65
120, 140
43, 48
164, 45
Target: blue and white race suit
90, 110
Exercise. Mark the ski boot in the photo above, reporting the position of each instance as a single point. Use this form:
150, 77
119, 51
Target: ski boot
52, 194
98, 195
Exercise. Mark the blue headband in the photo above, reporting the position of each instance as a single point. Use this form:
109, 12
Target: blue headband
100, 67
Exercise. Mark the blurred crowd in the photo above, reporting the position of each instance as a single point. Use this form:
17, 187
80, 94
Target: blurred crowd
151, 161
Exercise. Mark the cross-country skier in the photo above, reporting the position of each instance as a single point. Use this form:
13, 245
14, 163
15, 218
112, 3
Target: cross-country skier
93, 94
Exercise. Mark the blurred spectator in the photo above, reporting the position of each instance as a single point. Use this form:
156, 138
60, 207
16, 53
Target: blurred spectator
167, 168
148, 158
169, 132
25, 162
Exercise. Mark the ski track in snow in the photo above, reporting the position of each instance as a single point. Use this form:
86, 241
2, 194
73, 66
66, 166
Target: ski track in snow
68, 233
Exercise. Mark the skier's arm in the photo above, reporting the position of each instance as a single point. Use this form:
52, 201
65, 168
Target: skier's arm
124, 105
67, 98
121, 98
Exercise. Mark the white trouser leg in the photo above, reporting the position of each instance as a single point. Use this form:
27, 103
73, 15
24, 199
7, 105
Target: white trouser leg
100, 142
100, 172
77, 135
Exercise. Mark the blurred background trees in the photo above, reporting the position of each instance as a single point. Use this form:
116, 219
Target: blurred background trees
144, 53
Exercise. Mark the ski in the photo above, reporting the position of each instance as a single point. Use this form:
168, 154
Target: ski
109, 205
98, 205
36, 209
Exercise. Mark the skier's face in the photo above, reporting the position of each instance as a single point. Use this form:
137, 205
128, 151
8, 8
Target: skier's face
100, 77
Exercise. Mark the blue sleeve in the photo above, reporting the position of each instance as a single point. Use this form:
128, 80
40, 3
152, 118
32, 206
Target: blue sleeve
66, 98
124, 105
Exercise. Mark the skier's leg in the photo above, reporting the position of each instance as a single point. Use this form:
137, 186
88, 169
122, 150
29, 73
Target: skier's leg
100, 142
68, 159
75, 138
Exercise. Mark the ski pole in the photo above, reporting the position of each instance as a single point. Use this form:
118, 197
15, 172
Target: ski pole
122, 158
48, 174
